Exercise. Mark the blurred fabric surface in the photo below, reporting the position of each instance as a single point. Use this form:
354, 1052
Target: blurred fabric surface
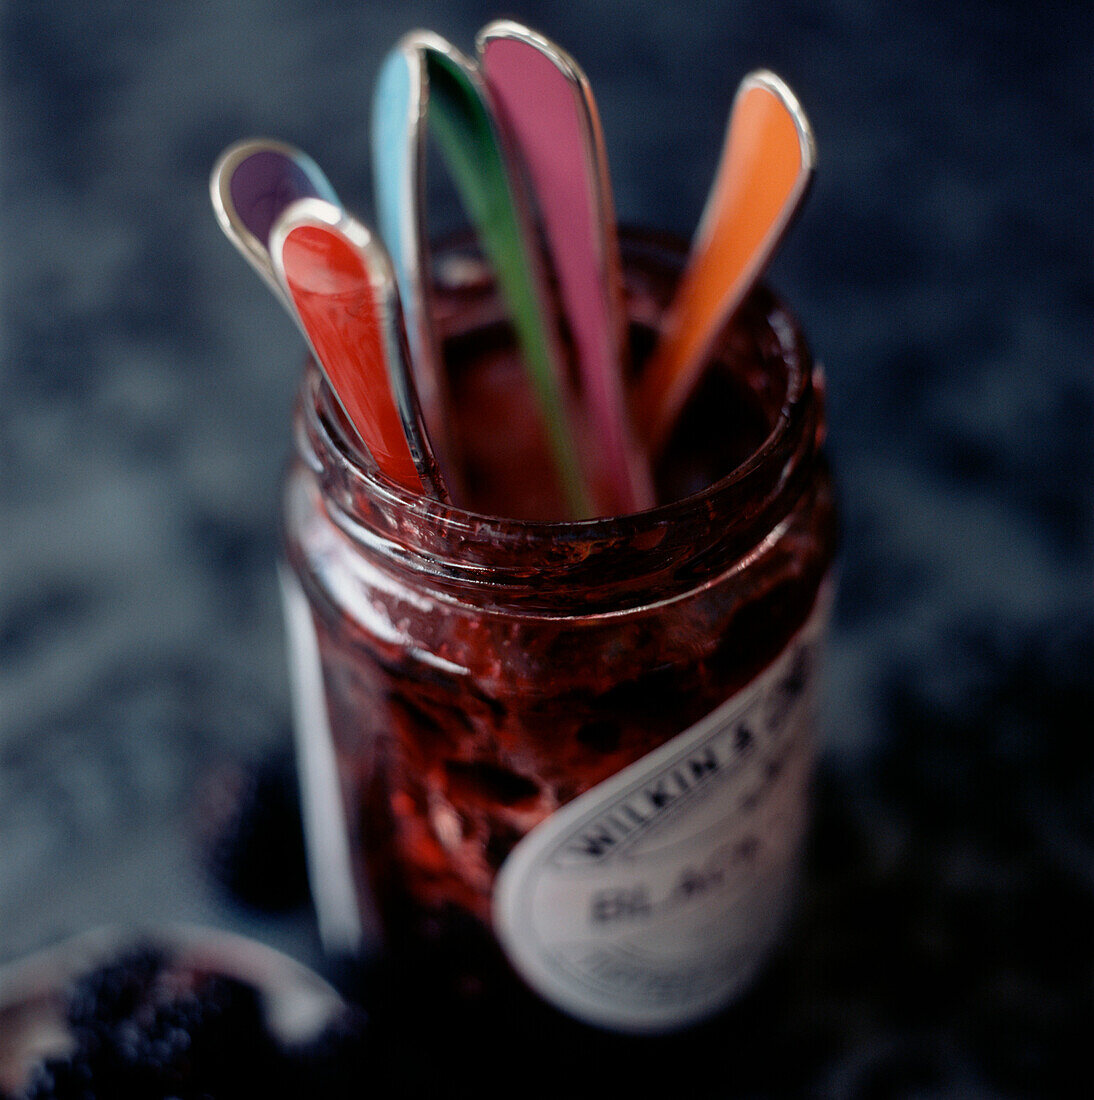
942, 267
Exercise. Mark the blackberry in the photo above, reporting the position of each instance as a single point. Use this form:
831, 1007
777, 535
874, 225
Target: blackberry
114, 992
63, 1079
252, 835
144, 1029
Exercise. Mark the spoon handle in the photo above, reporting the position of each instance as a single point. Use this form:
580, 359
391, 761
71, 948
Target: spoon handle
399, 105
766, 166
547, 106
340, 281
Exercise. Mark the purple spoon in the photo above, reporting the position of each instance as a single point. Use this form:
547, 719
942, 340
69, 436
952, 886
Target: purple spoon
251, 183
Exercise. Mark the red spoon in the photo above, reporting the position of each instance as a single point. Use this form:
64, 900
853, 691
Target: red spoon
340, 280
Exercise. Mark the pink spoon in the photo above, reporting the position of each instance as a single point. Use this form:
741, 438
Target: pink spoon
547, 106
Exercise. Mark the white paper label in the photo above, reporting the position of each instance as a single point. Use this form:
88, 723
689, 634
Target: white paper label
650, 901
345, 926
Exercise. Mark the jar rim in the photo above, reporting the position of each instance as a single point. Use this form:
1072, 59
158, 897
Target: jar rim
681, 541
793, 350
382, 488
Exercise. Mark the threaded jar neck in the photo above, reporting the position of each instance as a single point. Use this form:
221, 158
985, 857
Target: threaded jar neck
604, 564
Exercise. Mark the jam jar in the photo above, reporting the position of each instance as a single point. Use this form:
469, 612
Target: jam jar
569, 759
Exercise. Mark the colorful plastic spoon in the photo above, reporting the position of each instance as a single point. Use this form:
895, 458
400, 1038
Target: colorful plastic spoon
547, 106
766, 166
251, 183
461, 116
398, 158
340, 281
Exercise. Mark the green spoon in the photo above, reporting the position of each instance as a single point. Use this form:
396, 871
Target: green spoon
461, 116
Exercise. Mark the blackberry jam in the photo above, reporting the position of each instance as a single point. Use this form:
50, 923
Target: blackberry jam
570, 758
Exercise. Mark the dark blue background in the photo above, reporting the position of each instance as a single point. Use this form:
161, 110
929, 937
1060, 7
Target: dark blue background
943, 270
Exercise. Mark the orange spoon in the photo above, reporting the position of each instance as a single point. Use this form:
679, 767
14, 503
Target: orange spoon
766, 166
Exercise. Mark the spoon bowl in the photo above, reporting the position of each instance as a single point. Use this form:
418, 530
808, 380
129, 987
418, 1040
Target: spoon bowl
766, 167
547, 105
251, 184
341, 284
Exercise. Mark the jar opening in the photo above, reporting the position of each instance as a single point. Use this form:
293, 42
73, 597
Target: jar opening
761, 359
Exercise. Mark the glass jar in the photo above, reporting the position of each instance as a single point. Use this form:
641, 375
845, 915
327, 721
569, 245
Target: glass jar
577, 752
